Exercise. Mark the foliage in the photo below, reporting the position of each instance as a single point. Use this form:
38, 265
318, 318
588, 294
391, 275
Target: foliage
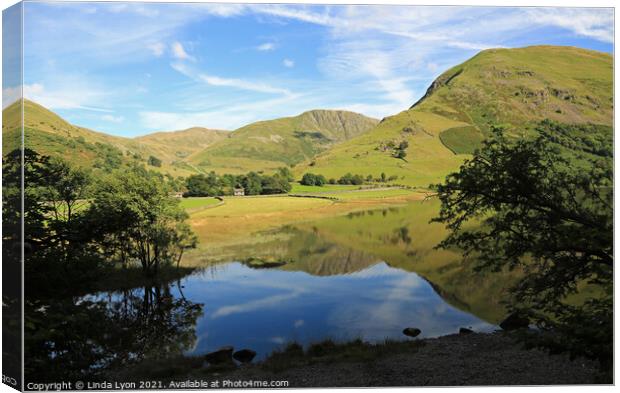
540, 212
76, 227
351, 179
310, 179
71, 339
137, 219
252, 183
154, 161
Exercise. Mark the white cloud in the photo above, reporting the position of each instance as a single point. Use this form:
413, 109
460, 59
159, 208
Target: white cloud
113, 119
75, 94
593, 23
10, 95
267, 46
288, 63
213, 80
157, 48
228, 115
179, 52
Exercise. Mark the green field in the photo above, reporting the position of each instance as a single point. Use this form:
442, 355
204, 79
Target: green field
327, 188
194, 204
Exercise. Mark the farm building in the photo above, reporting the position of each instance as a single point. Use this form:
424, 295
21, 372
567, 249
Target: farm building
239, 192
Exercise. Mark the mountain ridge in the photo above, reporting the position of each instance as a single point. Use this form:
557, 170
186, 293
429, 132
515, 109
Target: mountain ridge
51, 134
514, 88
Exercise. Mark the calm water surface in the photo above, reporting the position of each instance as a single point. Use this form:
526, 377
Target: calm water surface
357, 276
263, 309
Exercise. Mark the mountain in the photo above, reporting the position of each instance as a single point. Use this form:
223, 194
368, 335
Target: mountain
177, 145
267, 145
515, 88
264, 145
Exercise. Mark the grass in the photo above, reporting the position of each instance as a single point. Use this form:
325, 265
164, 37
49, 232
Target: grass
462, 140
302, 189
512, 87
267, 145
198, 203
243, 221
371, 194
329, 352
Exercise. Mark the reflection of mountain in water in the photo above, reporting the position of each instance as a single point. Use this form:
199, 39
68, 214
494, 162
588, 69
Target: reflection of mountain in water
402, 237
405, 239
296, 249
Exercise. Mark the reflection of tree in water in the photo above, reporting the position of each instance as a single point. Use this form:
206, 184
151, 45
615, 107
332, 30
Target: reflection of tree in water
83, 338
401, 235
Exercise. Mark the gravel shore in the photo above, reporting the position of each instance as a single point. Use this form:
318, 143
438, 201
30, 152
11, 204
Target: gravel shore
455, 360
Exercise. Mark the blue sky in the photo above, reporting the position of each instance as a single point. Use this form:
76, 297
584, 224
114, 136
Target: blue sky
133, 68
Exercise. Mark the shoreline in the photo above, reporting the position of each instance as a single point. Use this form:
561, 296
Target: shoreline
474, 359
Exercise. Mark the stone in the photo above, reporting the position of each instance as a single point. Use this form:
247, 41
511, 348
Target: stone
222, 355
412, 332
244, 355
465, 331
515, 321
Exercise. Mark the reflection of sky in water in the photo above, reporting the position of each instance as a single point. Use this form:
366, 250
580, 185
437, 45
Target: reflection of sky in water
263, 309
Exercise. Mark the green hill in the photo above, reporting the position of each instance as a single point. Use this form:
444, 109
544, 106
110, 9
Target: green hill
267, 145
516, 88
49, 134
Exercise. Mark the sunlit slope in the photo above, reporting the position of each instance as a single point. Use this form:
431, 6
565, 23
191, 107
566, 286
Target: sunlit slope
519, 86
516, 88
49, 134
267, 145
175, 145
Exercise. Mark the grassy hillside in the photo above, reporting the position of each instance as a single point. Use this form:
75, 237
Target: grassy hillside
267, 145
261, 146
49, 134
177, 145
516, 88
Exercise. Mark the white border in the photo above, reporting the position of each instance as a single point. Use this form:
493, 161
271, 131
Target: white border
504, 3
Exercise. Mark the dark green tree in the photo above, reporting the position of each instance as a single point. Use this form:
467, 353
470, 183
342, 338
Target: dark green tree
137, 216
548, 209
252, 184
154, 161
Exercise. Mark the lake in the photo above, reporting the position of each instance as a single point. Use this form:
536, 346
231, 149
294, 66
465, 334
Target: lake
365, 275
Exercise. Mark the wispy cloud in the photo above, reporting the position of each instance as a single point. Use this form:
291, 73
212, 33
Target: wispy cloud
112, 118
267, 46
593, 23
213, 80
157, 48
10, 95
377, 60
73, 95
178, 51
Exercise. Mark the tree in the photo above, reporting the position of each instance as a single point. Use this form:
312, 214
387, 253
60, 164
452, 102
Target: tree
67, 187
275, 184
286, 173
65, 191
401, 150
154, 161
310, 179
252, 184
139, 219
203, 185
546, 208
